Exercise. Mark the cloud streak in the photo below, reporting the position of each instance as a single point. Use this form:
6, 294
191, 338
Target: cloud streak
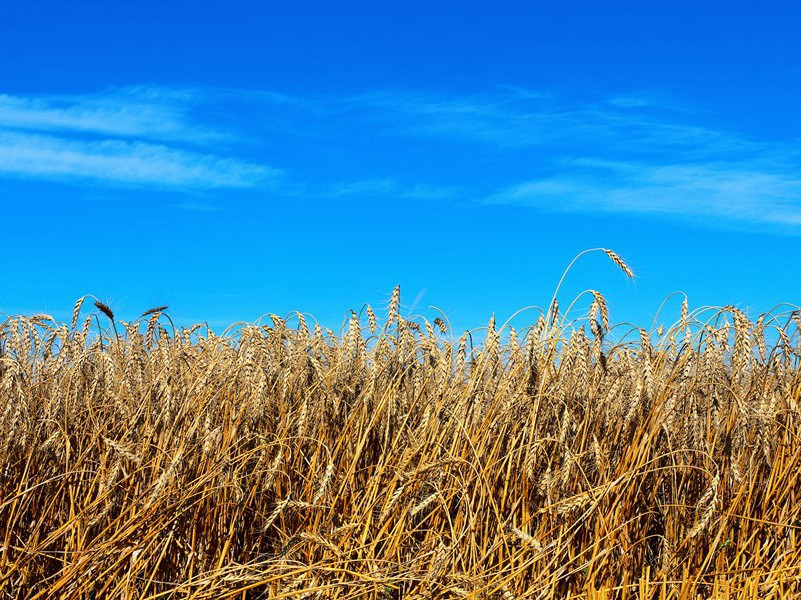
136, 112
131, 137
131, 163
634, 154
383, 188
712, 191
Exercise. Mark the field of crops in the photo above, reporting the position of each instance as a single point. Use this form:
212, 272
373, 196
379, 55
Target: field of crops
399, 460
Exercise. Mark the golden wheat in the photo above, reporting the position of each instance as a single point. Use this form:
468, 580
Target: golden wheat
391, 462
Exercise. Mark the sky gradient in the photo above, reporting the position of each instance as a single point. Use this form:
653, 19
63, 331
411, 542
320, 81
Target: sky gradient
242, 158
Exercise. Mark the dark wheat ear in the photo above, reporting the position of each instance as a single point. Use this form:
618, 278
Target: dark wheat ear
154, 310
104, 309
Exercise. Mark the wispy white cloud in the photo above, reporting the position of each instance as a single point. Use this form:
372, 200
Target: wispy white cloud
383, 188
647, 100
728, 192
123, 162
633, 153
187, 139
139, 136
198, 207
522, 119
627, 154
135, 112
466, 118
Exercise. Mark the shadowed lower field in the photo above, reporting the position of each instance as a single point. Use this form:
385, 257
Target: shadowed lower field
283, 461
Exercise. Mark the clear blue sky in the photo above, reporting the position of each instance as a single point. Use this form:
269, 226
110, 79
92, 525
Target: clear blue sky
231, 159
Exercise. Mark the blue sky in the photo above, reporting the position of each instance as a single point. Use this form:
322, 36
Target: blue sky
234, 159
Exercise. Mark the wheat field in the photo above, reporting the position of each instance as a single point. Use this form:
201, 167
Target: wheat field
400, 460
